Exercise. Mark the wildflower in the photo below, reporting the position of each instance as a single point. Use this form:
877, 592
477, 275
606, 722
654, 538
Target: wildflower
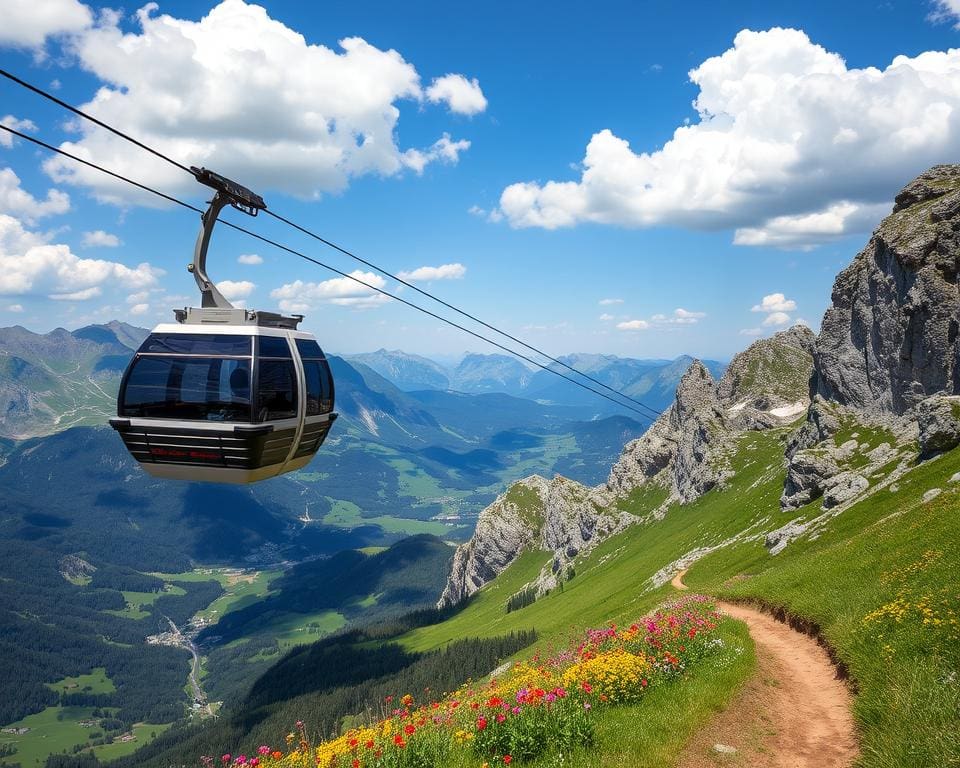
409, 729
407, 700
481, 723
276, 754
263, 749
398, 740
226, 758
507, 759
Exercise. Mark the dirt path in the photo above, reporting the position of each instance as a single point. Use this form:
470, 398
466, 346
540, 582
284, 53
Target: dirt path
793, 713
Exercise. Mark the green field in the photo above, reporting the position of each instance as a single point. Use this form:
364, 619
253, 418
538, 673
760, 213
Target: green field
96, 681
346, 514
59, 729
137, 600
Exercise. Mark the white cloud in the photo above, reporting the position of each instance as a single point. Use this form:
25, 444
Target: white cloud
264, 105
101, 239
19, 203
139, 309
239, 289
15, 308
84, 294
250, 258
443, 149
751, 332
609, 302
443, 272
30, 264
775, 319
299, 296
461, 95
946, 11
686, 317
774, 302
6, 139
633, 325
792, 148
27, 23
606, 318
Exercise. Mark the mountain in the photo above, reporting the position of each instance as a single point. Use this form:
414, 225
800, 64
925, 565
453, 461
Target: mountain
50, 382
407, 372
491, 373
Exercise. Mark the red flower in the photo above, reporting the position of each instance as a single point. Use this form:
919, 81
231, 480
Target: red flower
355, 763
481, 723
369, 744
409, 729
398, 740
507, 759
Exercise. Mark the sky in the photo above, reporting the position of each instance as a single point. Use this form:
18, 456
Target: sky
645, 179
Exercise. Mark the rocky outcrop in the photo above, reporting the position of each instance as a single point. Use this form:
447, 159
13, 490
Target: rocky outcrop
682, 450
768, 384
890, 340
559, 516
938, 419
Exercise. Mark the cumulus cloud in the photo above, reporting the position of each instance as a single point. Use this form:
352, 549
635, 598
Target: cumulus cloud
30, 264
791, 148
264, 105
27, 23
235, 289
776, 319
633, 325
100, 239
6, 139
15, 308
443, 149
250, 258
461, 95
774, 302
443, 272
16, 201
139, 309
776, 307
609, 302
300, 296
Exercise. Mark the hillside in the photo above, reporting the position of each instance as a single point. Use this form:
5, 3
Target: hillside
834, 509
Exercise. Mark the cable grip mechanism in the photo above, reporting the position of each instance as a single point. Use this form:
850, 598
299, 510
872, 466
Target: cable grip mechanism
230, 193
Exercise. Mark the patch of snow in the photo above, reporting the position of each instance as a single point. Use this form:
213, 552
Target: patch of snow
738, 407
789, 411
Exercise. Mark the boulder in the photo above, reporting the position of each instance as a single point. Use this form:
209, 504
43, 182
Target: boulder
939, 421
807, 476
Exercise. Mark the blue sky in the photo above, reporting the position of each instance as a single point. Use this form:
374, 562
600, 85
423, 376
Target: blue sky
643, 179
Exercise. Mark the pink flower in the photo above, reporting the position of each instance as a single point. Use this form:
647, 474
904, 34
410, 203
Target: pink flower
263, 749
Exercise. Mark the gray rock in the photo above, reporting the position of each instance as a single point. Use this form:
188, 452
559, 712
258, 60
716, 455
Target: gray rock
954, 478
890, 338
931, 494
682, 449
843, 488
939, 421
807, 476
724, 749
776, 541
822, 423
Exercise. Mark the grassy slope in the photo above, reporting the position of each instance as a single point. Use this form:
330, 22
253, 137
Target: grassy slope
882, 580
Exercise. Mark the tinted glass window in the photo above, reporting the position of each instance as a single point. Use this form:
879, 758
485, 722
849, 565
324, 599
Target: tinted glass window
309, 349
196, 344
276, 390
319, 387
274, 346
189, 388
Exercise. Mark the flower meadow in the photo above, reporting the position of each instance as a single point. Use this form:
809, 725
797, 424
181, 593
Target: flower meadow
542, 704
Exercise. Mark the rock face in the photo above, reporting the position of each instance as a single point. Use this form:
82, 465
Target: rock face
891, 337
680, 450
559, 516
768, 384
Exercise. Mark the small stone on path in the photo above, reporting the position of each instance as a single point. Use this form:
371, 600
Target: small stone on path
724, 749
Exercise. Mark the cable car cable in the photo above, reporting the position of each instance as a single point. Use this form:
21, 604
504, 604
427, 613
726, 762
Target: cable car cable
41, 92
319, 263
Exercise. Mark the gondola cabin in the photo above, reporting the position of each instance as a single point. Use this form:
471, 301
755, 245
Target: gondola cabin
225, 394
228, 395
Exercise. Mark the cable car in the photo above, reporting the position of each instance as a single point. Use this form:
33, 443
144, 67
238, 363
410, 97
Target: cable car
225, 394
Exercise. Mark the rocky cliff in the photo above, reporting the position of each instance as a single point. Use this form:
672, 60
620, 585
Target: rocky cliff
887, 353
890, 338
684, 453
